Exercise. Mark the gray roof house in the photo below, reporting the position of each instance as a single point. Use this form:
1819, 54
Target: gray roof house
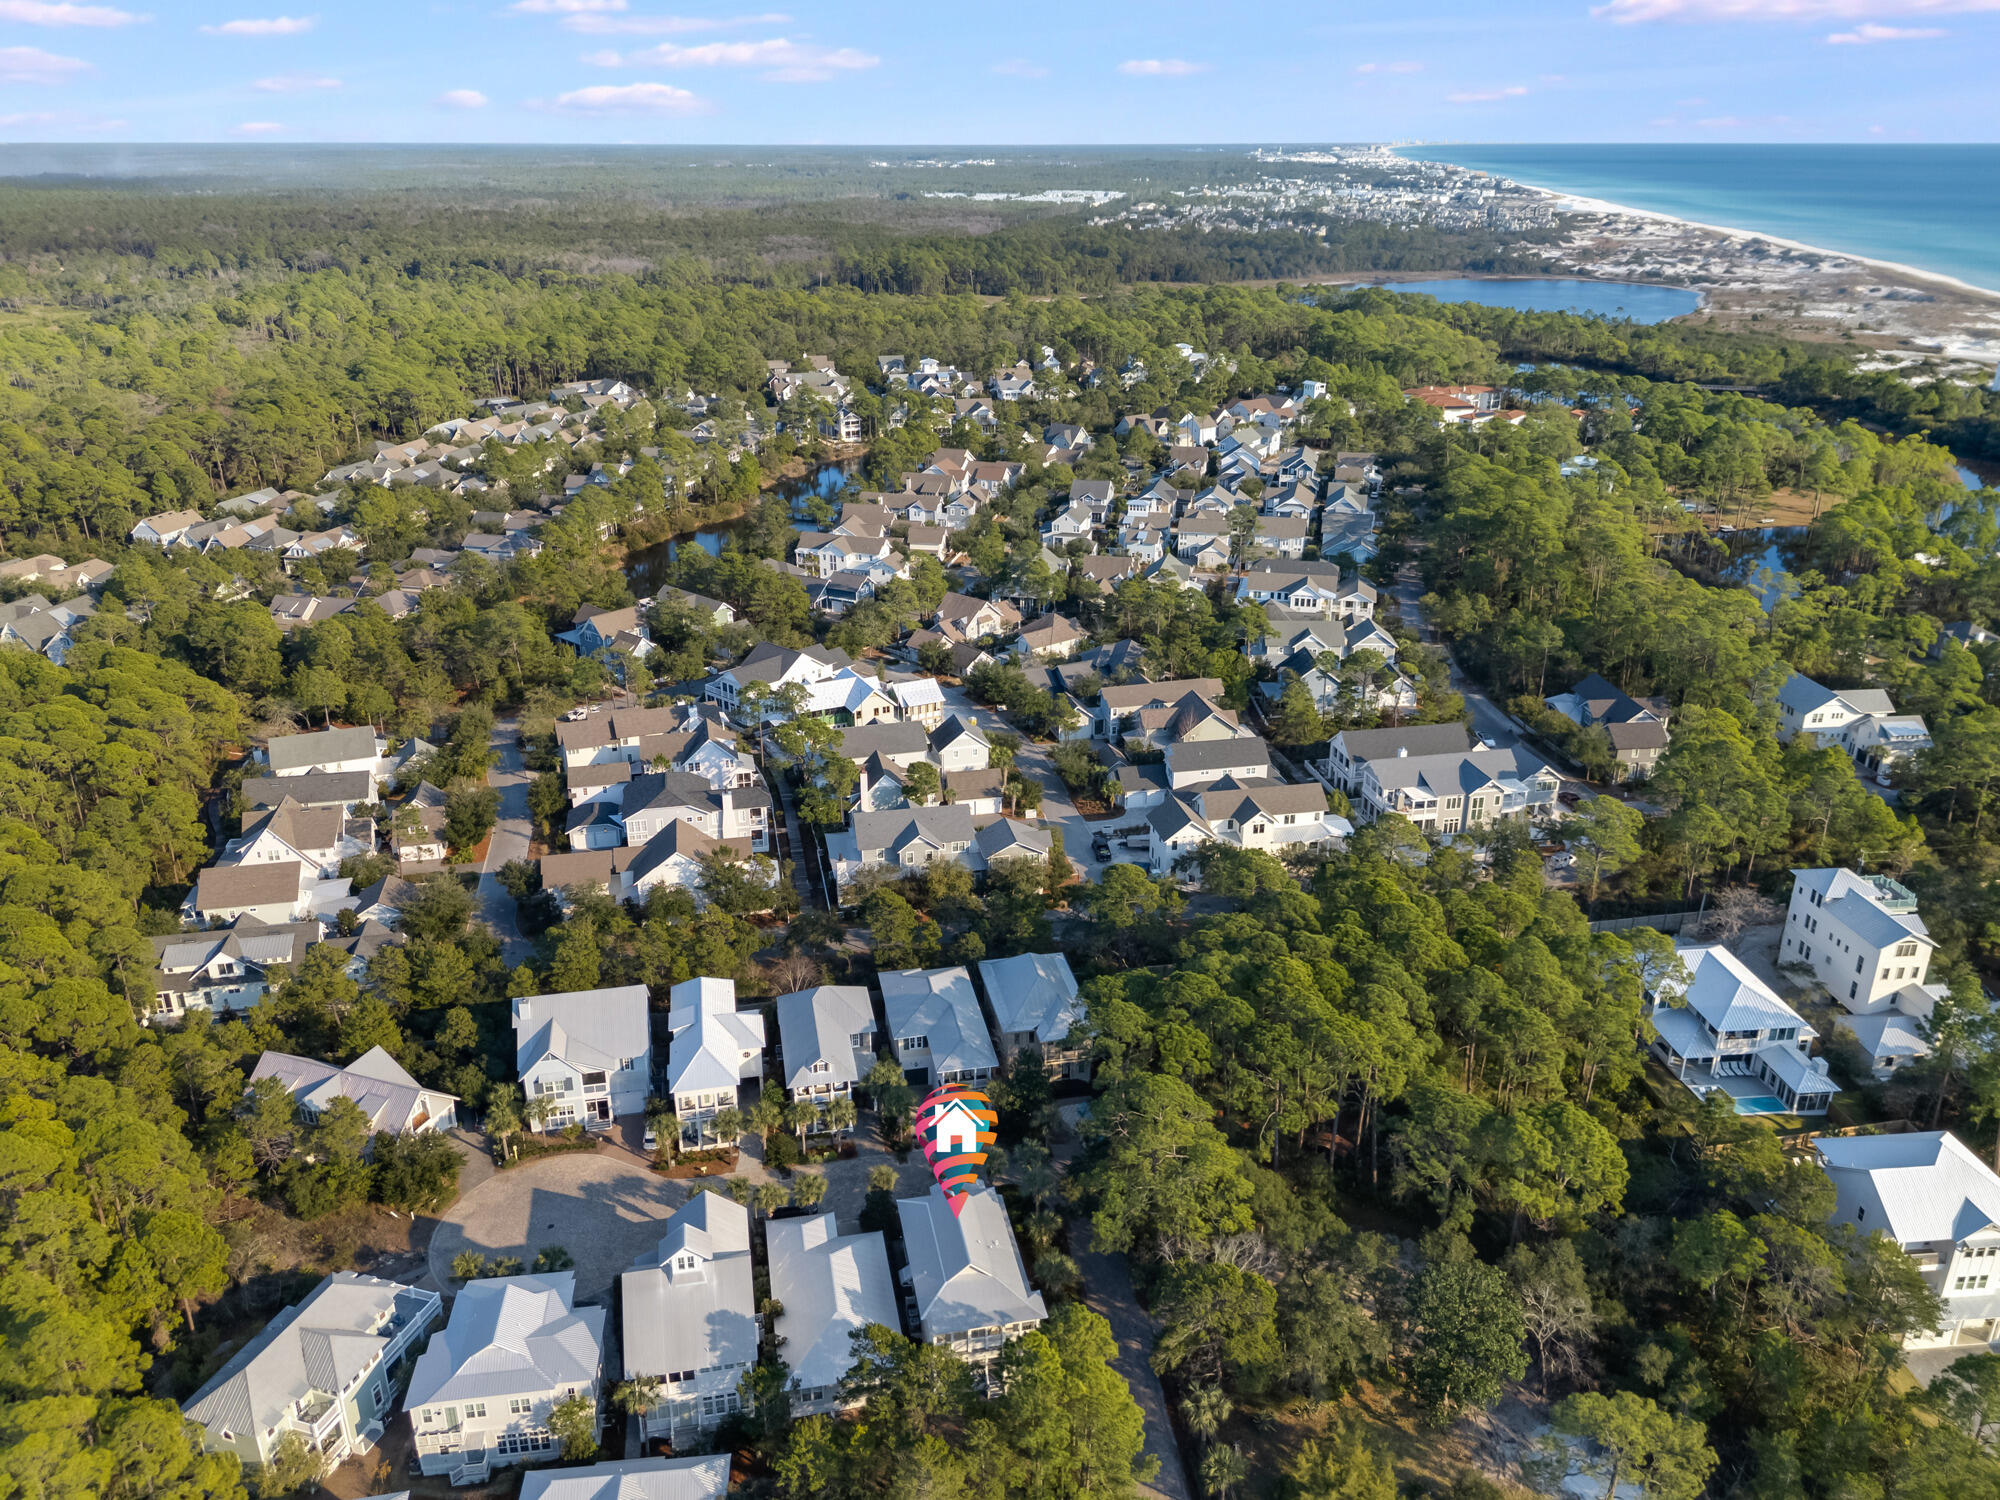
690, 1317
388, 1096
705, 1476
831, 1285
355, 749
935, 1027
320, 1368
588, 1052
1034, 1003
1195, 762
966, 1276
481, 1392
826, 1037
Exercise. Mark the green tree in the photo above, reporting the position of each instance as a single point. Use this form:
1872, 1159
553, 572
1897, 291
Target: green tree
573, 1423
1159, 1173
1603, 833
1464, 1334
1631, 1437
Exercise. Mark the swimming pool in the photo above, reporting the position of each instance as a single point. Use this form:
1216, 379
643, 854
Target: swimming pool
1762, 1104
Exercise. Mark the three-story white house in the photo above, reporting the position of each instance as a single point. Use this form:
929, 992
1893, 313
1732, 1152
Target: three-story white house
1034, 1003
826, 1041
935, 1028
481, 1392
1864, 942
715, 1048
1933, 1197
1726, 1032
587, 1053
690, 1318
965, 1277
831, 1286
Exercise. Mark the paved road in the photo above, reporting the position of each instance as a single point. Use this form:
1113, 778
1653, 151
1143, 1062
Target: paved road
510, 839
1107, 1291
1488, 721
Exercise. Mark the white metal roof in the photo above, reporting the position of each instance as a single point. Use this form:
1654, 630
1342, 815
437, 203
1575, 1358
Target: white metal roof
705, 1476
511, 1336
966, 1269
1919, 1189
830, 1285
585, 1028
1724, 993
1032, 992
714, 1045
676, 1318
818, 1025
939, 1004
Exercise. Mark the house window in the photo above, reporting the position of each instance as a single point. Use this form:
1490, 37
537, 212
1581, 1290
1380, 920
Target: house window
520, 1406
915, 1044
475, 1409
378, 1395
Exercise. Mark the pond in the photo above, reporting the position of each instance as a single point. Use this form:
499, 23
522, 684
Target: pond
645, 568
1636, 301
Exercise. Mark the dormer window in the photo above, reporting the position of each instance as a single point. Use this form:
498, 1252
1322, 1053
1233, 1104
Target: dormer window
685, 1262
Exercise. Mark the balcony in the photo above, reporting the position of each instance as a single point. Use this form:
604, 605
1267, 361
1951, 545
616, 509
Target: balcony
478, 1471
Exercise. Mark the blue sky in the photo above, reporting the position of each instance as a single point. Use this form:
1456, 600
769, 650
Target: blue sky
1031, 72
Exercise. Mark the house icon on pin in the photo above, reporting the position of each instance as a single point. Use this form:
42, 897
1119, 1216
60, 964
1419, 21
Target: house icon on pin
955, 1131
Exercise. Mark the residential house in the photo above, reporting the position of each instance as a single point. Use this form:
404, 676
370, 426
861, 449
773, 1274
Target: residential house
1861, 721
274, 893
327, 750
1637, 731
391, 1100
1118, 704
481, 1392
956, 745
700, 1477
981, 793
715, 1048
1932, 1197
167, 528
826, 1041
1868, 948
1725, 1031
690, 1319
643, 807
1007, 839
598, 633
830, 1286
1033, 999
1192, 763
935, 1027
690, 738
587, 1053
908, 837
317, 837
225, 971
962, 618
1308, 588
919, 699
1049, 638
966, 1278
1434, 776
1246, 813
321, 1368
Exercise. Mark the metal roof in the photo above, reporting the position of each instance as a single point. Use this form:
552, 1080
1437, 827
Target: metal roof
585, 1028
1032, 992
693, 1319
702, 1477
511, 1336
965, 1268
939, 1004
816, 1025
1922, 1188
296, 751
831, 1285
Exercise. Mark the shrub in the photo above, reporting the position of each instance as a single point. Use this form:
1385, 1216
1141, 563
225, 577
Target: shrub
782, 1151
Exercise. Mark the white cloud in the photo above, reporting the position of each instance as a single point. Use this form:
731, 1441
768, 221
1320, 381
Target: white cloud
783, 60
1862, 36
1161, 67
42, 117
462, 99
264, 26
595, 20
33, 65
1628, 12
258, 127
1019, 67
1487, 96
1389, 67
288, 83
652, 98
62, 13
563, 7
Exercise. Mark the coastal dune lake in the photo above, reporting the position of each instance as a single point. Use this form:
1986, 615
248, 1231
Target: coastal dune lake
1635, 301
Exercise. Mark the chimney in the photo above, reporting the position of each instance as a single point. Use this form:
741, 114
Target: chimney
728, 810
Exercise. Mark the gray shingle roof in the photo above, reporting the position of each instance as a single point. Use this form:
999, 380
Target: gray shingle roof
294, 751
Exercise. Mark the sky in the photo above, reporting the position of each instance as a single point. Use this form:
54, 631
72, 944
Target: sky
1031, 72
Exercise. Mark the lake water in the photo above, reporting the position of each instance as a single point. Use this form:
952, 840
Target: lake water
645, 569
1630, 300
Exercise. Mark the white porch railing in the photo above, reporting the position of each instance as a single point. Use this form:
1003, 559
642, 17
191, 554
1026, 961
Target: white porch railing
475, 1472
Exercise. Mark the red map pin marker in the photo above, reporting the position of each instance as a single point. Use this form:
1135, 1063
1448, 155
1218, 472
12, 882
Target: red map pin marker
955, 1125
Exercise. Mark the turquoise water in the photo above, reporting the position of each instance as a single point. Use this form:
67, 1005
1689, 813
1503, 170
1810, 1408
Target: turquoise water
1934, 207
1610, 299
1761, 1104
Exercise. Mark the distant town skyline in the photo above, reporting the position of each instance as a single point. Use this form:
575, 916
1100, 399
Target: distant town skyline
609, 71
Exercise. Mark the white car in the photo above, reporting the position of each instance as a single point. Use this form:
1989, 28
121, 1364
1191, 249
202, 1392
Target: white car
651, 1139
575, 714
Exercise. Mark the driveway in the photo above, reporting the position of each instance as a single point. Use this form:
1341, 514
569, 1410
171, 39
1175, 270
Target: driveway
604, 1207
510, 839
1057, 811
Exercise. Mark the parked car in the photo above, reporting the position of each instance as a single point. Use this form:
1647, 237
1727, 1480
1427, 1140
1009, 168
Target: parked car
651, 1139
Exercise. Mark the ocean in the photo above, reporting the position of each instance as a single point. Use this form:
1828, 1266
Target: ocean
1936, 208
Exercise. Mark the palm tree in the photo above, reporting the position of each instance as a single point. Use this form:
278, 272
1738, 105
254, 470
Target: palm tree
842, 1114
766, 1116
639, 1394
1222, 1470
1056, 1274
503, 1118
769, 1197
726, 1125
882, 1179
1035, 1172
808, 1189
1205, 1410
800, 1117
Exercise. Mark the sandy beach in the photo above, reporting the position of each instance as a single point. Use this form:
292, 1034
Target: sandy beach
1908, 316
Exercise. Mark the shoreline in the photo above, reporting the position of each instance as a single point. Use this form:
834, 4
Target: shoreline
1581, 203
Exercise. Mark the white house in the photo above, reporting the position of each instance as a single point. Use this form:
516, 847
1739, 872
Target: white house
328, 750
273, 893
1861, 721
690, 1318
166, 528
1034, 1003
225, 970
322, 1368
831, 1285
715, 1047
935, 1026
481, 1393
387, 1096
1940, 1203
826, 1041
1865, 944
966, 1278
704, 1476
1725, 1031
589, 1053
